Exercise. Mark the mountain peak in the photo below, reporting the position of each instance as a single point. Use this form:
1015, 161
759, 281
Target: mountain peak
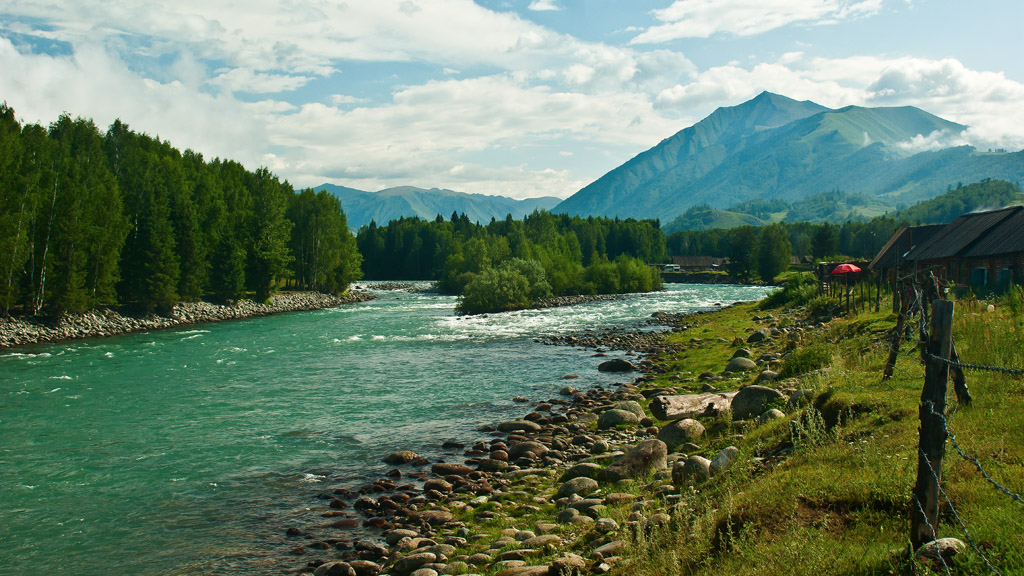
775, 147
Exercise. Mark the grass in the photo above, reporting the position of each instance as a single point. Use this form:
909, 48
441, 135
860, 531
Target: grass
838, 500
826, 490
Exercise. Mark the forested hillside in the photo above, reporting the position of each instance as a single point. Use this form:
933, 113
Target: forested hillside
90, 219
511, 264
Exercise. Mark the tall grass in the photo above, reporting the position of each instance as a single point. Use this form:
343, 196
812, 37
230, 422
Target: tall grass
838, 499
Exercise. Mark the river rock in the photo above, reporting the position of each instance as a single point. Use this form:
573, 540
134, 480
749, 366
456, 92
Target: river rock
741, 365
766, 376
630, 406
528, 447
365, 567
753, 401
568, 564
610, 549
680, 432
693, 470
394, 536
435, 517
525, 571
335, 569
617, 365
580, 485
645, 457
450, 469
723, 460
412, 562
439, 484
773, 414
759, 336
614, 417
941, 550
400, 457
582, 470
519, 426
539, 542
491, 465
742, 353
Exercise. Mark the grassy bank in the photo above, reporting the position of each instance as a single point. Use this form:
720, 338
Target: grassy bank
824, 488
827, 490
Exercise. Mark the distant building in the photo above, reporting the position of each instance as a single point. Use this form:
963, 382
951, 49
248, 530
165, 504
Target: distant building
698, 263
978, 249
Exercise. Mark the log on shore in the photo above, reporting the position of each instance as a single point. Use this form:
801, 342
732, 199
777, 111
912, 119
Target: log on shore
690, 405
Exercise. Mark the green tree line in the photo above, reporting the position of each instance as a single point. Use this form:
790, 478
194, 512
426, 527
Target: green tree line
89, 219
510, 264
767, 250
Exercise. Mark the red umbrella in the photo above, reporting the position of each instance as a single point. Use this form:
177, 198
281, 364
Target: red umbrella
845, 268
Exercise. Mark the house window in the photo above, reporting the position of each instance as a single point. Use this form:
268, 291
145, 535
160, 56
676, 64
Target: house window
979, 276
1003, 276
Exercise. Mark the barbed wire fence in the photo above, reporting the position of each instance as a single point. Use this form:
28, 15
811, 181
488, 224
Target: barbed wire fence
934, 342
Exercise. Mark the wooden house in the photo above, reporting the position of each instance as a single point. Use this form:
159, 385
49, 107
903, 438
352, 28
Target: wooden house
983, 249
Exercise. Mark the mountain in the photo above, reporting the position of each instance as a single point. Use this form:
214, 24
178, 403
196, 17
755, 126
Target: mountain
392, 203
776, 148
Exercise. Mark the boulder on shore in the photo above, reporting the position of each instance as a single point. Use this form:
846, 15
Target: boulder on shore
580, 485
645, 457
693, 470
614, 417
753, 401
741, 364
680, 432
617, 365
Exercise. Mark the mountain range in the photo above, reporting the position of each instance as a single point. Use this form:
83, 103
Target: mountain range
362, 207
774, 148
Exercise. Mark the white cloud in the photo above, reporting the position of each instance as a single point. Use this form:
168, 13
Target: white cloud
704, 18
245, 80
428, 131
544, 101
95, 84
937, 140
543, 5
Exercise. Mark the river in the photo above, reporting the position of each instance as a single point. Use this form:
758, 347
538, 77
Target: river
187, 451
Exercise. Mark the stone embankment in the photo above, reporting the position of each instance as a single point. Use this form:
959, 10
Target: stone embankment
109, 322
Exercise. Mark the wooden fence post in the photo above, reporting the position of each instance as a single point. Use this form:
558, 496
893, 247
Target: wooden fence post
897, 336
925, 514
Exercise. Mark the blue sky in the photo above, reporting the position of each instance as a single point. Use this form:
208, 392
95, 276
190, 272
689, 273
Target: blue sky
513, 97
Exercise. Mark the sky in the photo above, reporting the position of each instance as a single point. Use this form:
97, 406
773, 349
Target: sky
519, 98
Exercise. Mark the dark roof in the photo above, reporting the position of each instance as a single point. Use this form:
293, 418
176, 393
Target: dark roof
961, 234
696, 261
1006, 238
901, 242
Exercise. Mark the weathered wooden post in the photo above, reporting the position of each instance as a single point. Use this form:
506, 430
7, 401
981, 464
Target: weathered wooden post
897, 336
932, 443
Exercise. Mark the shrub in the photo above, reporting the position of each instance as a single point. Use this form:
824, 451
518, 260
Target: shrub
806, 359
799, 290
495, 290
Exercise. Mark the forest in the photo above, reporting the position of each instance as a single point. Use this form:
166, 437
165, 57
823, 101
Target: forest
91, 219
511, 264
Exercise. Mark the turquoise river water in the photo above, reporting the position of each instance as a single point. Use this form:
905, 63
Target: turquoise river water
187, 451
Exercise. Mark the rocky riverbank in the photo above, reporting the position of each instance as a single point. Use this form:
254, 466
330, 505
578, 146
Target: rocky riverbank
562, 491
110, 322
